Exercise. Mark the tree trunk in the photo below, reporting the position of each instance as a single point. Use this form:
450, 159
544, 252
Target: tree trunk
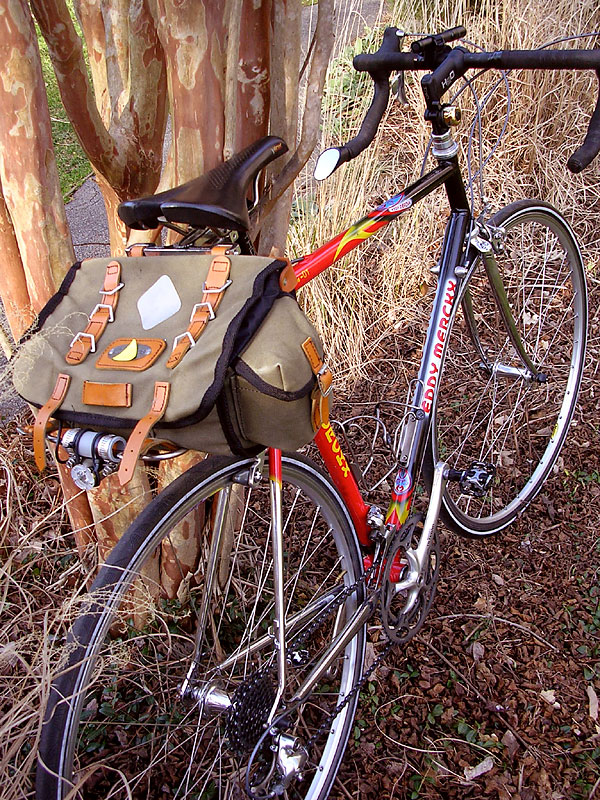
28, 173
274, 233
13, 284
229, 68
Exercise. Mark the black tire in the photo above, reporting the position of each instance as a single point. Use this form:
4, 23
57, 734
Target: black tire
517, 425
115, 724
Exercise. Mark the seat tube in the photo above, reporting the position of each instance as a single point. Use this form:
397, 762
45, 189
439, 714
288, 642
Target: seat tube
275, 486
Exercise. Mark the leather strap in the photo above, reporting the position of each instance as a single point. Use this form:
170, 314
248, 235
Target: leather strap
41, 420
137, 249
320, 394
215, 284
142, 429
85, 341
287, 279
113, 395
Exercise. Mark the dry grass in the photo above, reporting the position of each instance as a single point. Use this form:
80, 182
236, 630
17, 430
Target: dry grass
357, 303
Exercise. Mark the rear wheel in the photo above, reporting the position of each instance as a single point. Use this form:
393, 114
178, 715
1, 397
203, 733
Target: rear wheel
116, 724
491, 415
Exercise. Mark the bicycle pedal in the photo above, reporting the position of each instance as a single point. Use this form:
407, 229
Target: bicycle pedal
476, 479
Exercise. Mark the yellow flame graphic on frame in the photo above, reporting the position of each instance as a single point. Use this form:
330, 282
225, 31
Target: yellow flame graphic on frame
357, 232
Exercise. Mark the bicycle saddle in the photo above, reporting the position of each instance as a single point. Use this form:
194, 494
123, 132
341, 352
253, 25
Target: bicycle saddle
216, 199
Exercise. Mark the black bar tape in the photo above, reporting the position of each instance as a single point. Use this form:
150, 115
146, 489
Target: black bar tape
370, 123
590, 148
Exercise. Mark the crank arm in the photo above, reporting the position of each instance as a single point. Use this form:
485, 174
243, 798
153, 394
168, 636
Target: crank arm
419, 557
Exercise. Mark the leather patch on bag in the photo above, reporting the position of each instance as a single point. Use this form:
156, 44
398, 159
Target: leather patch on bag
113, 395
131, 354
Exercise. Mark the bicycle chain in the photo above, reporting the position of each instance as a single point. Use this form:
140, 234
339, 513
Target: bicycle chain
377, 567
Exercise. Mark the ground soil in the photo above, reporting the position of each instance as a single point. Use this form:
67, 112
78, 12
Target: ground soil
497, 697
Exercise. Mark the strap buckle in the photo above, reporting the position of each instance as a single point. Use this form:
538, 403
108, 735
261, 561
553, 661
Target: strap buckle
206, 290
111, 291
89, 336
211, 313
184, 335
98, 306
325, 390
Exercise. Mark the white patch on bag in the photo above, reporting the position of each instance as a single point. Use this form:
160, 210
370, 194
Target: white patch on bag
158, 303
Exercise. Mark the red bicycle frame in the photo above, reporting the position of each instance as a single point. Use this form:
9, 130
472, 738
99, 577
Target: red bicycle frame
310, 266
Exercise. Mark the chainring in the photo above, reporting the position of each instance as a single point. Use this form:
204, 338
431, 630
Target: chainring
402, 615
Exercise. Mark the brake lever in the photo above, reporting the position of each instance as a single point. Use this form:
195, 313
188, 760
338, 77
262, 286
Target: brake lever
398, 87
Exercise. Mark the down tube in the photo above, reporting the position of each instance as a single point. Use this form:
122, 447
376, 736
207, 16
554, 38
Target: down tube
416, 429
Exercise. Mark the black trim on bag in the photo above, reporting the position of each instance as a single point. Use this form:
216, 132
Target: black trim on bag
242, 328
231, 432
53, 303
243, 370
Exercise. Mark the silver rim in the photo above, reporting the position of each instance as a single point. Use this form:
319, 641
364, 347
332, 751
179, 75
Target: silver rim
327, 523
517, 425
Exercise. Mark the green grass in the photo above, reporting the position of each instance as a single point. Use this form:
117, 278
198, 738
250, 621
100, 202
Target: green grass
72, 163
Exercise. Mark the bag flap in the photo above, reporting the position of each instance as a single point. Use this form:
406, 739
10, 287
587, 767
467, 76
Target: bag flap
195, 382
274, 361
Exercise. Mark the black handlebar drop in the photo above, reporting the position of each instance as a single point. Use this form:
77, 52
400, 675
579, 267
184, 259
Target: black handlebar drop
445, 65
590, 148
381, 96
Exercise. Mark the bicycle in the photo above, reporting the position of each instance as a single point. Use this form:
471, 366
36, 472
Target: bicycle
266, 654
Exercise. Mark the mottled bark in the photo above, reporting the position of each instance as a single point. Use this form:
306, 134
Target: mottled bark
114, 507
129, 77
180, 553
253, 72
121, 124
231, 527
287, 22
193, 34
80, 517
274, 232
27, 168
13, 285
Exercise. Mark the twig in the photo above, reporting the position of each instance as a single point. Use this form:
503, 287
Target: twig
341, 786
505, 621
481, 696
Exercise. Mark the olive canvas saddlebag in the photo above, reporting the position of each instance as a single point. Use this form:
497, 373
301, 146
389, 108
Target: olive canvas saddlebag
208, 351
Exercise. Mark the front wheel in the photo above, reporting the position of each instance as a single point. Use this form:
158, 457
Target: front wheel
490, 411
123, 721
